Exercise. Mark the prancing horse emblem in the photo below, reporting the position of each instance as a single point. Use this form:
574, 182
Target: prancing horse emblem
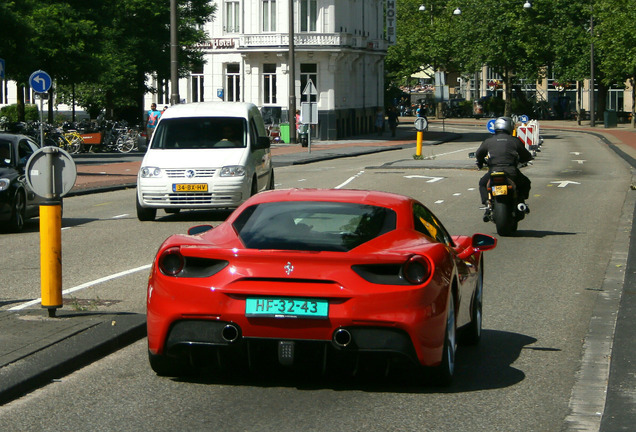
289, 268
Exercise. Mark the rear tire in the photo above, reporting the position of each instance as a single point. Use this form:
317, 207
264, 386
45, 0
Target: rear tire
18, 212
145, 214
472, 333
443, 374
504, 219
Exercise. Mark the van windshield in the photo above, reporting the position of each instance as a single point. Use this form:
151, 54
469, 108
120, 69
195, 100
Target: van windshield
200, 133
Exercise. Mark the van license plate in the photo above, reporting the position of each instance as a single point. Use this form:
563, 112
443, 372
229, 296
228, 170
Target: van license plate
190, 187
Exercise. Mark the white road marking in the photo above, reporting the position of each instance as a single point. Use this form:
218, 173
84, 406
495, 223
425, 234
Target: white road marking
564, 183
349, 180
439, 201
120, 216
85, 285
431, 179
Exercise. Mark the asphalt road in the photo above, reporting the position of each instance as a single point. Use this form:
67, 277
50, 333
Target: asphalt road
545, 289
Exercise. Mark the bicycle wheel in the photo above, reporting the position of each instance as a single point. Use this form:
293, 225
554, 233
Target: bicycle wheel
125, 143
75, 144
62, 143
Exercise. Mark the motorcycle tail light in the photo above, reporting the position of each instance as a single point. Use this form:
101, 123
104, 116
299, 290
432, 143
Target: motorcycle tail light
416, 270
171, 262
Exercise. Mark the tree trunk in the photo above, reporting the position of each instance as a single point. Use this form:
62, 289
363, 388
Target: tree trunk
507, 94
632, 81
50, 105
20, 104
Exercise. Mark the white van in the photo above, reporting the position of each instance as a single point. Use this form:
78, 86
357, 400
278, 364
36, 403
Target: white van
204, 155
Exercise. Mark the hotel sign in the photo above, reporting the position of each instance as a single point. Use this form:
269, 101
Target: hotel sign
390, 22
218, 43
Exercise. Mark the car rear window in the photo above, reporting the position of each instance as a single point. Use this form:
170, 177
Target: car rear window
200, 133
312, 226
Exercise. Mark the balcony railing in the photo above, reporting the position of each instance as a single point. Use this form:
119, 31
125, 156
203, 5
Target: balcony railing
339, 40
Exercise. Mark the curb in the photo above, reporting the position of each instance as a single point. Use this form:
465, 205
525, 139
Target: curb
70, 354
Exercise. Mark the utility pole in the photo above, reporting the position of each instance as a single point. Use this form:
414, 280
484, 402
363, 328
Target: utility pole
174, 62
292, 76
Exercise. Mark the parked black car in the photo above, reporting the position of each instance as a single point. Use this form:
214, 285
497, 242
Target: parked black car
17, 201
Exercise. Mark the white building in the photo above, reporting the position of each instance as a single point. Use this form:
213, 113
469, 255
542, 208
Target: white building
339, 45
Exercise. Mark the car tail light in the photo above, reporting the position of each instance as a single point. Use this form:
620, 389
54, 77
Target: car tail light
416, 270
171, 261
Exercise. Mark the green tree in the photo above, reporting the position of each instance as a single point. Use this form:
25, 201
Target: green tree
16, 34
510, 39
615, 43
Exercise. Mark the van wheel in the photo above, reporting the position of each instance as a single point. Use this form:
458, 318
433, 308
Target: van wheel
254, 190
145, 214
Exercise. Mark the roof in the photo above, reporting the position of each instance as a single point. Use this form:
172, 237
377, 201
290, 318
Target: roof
209, 109
370, 197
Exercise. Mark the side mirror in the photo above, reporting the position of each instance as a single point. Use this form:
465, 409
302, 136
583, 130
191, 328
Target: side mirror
479, 243
483, 242
262, 143
199, 229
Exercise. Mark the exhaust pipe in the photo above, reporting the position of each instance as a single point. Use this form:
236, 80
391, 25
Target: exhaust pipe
342, 337
522, 207
230, 333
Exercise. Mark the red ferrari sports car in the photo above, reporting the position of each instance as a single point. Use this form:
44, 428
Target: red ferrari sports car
303, 274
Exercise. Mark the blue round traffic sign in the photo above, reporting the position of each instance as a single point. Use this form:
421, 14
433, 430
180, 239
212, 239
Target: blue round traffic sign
40, 81
524, 118
491, 126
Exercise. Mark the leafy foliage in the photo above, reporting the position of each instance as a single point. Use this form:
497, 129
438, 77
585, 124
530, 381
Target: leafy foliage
552, 36
99, 53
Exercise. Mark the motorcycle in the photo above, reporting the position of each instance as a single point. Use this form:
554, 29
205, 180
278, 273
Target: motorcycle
505, 205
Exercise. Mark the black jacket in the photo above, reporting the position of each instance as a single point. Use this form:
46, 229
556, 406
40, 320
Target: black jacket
503, 151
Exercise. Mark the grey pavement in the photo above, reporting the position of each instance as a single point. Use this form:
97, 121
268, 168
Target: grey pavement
36, 349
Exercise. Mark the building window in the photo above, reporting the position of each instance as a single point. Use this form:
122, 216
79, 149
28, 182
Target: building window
197, 87
308, 15
269, 83
232, 16
308, 71
269, 15
196, 78
232, 82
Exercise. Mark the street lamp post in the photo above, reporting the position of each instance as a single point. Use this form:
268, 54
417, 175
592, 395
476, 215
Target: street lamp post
174, 63
592, 101
292, 76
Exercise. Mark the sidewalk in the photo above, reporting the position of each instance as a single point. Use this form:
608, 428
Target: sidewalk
36, 349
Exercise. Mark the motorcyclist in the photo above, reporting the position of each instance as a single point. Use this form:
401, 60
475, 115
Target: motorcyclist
503, 152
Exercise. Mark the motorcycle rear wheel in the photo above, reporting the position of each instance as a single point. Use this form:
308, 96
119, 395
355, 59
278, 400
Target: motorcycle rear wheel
504, 219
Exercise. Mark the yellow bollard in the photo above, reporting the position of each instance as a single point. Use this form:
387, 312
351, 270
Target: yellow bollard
51, 256
420, 139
